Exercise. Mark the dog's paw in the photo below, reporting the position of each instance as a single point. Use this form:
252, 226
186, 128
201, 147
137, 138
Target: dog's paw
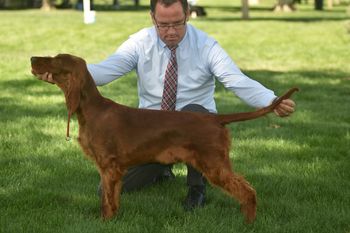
249, 212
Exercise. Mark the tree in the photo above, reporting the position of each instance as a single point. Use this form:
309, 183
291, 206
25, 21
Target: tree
245, 9
47, 5
285, 5
319, 5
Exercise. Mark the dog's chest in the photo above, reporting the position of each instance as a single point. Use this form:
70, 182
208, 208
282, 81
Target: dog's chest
86, 145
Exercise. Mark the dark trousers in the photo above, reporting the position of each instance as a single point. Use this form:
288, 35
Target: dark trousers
140, 176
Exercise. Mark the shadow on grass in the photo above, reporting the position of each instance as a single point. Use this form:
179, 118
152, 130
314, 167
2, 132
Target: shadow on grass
105, 7
261, 8
96, 7
14, 109
335, 14
285, 19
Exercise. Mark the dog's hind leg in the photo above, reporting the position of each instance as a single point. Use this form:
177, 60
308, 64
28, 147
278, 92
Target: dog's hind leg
221, 175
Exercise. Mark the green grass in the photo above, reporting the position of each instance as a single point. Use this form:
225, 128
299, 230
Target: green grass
299, 165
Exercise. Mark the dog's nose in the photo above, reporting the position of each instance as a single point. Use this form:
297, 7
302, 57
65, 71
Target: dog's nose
32, 59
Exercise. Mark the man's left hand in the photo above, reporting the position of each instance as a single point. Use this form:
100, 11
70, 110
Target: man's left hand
285, 108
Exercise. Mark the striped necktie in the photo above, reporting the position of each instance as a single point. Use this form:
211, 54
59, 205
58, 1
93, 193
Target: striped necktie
170, 83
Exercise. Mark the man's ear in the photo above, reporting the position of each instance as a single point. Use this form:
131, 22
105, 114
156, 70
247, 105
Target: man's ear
152, 17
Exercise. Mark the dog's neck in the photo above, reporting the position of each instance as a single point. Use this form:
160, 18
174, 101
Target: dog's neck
90, 98
90, 101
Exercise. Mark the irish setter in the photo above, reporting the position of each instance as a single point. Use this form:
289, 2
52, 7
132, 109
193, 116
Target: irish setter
117, 137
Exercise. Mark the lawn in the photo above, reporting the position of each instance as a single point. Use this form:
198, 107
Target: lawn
299, 165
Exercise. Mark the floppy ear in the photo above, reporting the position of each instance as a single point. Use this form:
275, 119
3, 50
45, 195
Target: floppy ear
72, 94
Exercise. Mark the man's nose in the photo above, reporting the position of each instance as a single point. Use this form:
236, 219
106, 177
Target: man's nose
171, 29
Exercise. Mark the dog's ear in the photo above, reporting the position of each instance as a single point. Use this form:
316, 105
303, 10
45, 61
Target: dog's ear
72, 94
74, 85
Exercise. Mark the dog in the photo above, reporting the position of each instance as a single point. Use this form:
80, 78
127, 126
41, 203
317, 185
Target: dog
117, 137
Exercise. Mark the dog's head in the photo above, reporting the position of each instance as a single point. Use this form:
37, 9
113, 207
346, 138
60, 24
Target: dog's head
68, 73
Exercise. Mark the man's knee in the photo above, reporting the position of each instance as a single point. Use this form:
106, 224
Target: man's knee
194, 108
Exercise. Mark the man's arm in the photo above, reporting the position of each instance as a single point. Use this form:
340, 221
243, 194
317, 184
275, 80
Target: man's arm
121, 62
250, 91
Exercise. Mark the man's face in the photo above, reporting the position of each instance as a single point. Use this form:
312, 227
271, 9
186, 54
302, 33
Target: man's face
170, 22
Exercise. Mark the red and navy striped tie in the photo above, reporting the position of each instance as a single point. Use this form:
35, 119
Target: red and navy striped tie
170, 83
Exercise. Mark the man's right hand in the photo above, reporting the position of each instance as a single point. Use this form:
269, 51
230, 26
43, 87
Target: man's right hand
47, 77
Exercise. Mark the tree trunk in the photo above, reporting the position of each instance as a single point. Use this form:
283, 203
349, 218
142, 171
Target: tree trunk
330, 4
245, 9
284, 6
47, 5
319, 5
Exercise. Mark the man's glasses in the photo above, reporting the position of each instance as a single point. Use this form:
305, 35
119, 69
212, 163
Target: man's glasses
166, 26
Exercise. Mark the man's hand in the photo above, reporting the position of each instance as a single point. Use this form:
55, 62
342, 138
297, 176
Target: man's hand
47, 77
285, 108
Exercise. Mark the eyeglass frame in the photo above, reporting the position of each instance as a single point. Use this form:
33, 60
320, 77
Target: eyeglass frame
166, 27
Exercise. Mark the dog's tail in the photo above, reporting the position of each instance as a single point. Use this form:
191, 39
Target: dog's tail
228, 118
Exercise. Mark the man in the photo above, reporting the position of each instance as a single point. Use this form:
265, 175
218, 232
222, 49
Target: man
176, 65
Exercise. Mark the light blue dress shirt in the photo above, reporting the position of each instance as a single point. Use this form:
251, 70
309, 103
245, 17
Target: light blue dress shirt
200, 60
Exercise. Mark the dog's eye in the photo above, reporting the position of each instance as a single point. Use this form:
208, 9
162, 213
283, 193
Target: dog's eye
56, 62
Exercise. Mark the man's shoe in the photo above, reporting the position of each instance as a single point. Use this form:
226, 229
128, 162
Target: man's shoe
195, 197
166, 175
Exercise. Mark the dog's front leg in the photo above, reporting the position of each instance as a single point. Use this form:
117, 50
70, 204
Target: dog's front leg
111, 189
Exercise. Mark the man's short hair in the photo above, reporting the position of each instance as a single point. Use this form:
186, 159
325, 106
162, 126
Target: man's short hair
153, 4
